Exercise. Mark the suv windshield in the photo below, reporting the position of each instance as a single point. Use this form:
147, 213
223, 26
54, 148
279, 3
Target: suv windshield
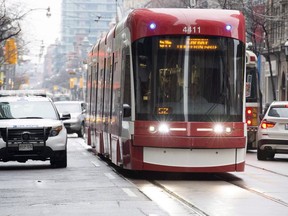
27, 109
278, 111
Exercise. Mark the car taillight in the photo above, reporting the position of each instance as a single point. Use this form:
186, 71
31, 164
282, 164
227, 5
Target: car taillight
265, 124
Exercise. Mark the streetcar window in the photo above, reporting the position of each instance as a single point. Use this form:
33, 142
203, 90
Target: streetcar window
252, 85
185, 78
127, 81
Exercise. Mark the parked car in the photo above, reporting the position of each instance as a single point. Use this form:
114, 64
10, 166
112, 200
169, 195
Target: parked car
77, 110
272, 135
31, 128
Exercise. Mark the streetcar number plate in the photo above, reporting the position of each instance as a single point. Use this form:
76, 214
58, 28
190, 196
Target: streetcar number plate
25, 147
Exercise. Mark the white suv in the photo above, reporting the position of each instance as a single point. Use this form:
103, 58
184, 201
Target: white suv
272, 134
31, 128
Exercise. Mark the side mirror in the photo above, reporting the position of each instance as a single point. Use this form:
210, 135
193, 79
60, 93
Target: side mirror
65, 116
126, 111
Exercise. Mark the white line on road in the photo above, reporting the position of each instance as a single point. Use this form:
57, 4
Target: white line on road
95, 164
109, 175
129, 192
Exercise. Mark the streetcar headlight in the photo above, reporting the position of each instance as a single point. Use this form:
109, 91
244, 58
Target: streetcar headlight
220, 129
228, 130
152, 129
163, 128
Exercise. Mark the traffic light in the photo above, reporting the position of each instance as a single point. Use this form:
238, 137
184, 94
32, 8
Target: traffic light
81, 83
72, 83
10, 53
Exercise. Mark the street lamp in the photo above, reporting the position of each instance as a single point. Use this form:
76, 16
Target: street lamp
48, 13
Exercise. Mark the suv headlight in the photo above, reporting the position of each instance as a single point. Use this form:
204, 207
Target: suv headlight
55, 131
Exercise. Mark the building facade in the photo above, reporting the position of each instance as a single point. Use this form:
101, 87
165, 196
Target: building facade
85, 18
274, 73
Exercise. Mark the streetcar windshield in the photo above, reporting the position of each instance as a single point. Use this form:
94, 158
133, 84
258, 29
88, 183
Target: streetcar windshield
188, 78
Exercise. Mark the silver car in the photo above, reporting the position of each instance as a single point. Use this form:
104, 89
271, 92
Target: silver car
77, 110
272, 135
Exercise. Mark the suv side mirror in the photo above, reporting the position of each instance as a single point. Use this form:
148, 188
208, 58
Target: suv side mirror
65, 116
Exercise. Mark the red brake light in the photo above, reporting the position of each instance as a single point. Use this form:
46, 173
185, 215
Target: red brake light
252, 116
265, 124
252, 58
249, 111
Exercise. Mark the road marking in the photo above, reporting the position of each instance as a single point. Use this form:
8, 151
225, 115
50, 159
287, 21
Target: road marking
109, 175
129, 192
95, 164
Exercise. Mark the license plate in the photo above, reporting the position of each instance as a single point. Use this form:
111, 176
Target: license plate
25, 147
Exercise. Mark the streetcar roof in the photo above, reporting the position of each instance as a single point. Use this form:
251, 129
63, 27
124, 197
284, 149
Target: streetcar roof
184, 21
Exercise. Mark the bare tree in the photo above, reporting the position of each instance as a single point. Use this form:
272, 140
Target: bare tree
10, 26
9, 23
265, 22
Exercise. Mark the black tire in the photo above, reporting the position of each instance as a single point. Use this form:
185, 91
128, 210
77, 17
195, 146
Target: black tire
271, 155
261, 154
59, 160
81, 132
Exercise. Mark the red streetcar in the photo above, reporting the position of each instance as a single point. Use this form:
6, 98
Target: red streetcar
166, 91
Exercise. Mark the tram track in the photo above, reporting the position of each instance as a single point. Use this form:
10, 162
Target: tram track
257, 192
225, 177
152, 184
180, 199
170, 201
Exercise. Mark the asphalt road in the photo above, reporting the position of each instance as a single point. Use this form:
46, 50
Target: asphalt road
88, 186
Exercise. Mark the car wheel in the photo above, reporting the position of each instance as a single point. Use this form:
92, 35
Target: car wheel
81, 131
261, 154
59, 160
271, 155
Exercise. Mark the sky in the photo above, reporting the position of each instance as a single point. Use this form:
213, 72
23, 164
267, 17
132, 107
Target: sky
37, 28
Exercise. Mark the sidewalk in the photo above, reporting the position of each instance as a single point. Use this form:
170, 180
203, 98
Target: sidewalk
108, 193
